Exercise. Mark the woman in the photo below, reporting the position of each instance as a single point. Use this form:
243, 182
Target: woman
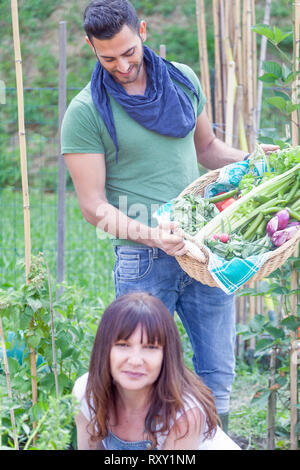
138, 393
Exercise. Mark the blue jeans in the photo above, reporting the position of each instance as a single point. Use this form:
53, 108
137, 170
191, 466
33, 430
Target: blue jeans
207, 313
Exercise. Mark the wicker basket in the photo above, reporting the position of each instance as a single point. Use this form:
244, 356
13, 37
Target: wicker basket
197, 267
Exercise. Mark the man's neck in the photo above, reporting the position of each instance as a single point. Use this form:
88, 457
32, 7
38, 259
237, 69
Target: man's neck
138, 87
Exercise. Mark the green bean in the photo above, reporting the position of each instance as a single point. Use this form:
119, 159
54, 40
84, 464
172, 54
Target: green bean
222, 197
253, 226
294, 214
293, 190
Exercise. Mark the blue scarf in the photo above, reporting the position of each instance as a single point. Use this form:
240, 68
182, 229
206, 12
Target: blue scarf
165, 108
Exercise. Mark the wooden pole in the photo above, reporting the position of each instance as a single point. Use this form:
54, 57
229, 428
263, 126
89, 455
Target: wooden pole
62, 104
162, 51
223, 41
218, 77
7, 375
22, 137
230, 104
52, 333
250, 102
23, 160
237, 47
272, 402
294, 362
294, 275
203, 56
296, 92
238, 105
254, 69
252, 311
262, 57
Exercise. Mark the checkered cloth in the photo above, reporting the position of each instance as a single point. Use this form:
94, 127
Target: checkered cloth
229, 275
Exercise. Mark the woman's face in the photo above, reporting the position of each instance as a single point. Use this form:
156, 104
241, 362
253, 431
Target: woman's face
134, 363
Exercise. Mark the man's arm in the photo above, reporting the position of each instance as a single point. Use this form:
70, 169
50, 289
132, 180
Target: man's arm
88, 172
212, 152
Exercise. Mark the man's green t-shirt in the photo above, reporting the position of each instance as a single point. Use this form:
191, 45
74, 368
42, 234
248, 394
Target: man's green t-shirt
152, 169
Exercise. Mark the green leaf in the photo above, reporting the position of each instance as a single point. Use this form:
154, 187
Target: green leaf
279, 35
291, 322
290, 107
268, 78
240, 328
263, 344
261, 398
287, 74
277, 101
273, 68
35, 304
33, 341
277, 333
264, 30
257, 323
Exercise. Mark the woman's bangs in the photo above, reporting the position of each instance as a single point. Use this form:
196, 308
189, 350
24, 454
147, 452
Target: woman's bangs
153, 329
149, 322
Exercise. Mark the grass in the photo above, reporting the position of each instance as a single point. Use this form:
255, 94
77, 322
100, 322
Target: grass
248, 421
89, 267
88, 261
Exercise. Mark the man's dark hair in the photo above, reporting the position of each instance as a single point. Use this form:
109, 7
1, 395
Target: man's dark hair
103, 19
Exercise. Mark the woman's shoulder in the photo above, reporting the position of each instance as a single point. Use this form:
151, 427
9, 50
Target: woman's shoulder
79, 390
80, 386
190, 402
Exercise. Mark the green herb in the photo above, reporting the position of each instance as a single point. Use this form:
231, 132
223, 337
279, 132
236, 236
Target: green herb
193, 212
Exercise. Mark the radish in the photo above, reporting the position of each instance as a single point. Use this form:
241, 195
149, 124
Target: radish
224, 237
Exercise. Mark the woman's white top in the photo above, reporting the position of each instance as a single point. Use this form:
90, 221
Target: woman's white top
220, 440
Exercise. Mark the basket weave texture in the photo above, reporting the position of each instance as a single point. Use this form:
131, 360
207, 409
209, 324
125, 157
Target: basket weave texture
199, 270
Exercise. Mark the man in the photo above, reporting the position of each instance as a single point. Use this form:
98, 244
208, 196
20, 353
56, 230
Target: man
131, 140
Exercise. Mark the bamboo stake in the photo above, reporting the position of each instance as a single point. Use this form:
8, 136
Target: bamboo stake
238, 105
7, 374
262, 57
272, 402
162, 51
218, 78
244, 57
223, 42
254, 64
295, 114
239, 127
230, 103
294, 276
203, 56
252, 312
23, 160
61, 202
250, 109
237, 49
52, 334
293, 362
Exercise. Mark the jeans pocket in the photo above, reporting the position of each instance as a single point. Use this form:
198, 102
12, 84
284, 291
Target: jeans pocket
133, 265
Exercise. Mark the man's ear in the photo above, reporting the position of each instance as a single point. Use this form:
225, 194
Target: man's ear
143, 32
89, 43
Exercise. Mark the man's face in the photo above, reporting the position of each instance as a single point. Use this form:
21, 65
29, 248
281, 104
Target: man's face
122, 55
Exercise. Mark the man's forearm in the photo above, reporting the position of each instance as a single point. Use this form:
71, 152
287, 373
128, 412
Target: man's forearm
218, 154
111, 220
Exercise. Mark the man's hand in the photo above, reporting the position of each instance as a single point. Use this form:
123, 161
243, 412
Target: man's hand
169, 237
268, 148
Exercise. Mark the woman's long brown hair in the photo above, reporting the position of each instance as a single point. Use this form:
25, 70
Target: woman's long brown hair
175, 381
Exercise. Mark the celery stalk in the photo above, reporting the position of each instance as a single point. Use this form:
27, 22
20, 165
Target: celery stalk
269, 189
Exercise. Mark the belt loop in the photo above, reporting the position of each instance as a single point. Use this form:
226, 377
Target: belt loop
155, 252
